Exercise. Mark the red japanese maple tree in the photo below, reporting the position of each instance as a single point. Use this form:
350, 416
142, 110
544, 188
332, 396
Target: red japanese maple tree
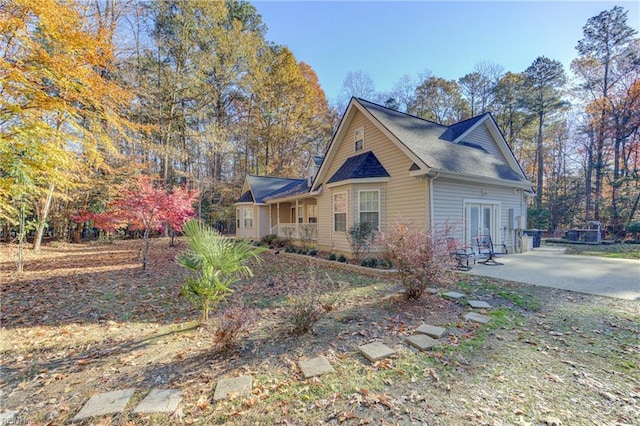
143, 206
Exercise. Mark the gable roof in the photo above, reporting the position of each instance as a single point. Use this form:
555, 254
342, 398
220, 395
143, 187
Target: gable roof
262, 187
317, 159
454, 131
365, 165
438, 148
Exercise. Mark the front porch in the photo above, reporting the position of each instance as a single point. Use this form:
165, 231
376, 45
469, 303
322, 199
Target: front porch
296, 231
295, 219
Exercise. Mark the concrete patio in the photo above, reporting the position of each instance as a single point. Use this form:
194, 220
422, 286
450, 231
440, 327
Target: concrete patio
551, 267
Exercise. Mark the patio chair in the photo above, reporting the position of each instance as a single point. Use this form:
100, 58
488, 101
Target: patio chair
486, 248
461, 254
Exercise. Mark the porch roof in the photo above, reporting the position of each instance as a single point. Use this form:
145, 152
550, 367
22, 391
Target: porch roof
263, 187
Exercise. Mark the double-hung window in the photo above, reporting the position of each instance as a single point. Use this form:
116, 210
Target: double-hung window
358, 139
369, 207
248, 218
340, 212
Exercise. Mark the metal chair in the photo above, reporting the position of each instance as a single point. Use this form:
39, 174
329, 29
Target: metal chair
485, 248
461, 254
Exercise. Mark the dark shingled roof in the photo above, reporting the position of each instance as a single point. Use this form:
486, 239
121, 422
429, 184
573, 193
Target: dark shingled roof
266, 186
431, 142
245, 198
289, 190
364, 165
455, 130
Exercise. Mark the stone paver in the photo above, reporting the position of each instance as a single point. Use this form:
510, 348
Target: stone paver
421, 341
431, 331
454, 295
8, 417
235, 386
376, 351
159, 401
472, 316
105, 403
315, 367
479, 304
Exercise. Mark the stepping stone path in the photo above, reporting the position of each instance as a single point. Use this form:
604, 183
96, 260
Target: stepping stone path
167, 400
472, 316
315, 367
431, 331
454, 295
376, 351
479, 304
105, 403
8, 417
421, 341
159, 401
235, 386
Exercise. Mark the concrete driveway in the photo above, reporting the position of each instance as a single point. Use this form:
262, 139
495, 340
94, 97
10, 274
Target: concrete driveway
551, 267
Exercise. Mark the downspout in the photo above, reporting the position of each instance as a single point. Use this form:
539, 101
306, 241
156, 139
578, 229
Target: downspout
431, 219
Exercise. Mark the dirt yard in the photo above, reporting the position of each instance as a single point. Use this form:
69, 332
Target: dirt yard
83, 319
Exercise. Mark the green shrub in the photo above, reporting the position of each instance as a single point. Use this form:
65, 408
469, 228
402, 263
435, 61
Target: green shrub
634, 229
290, 249
270, 239
341, 258
361, 236
385, 263
332, 256
370, 262
313, 252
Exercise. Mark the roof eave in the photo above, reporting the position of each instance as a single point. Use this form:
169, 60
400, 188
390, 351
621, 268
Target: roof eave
482, 179
302, 195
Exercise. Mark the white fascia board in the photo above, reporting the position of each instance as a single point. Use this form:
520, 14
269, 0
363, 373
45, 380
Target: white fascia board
338, 135
485, 180
401, 146
296, 197
358, 181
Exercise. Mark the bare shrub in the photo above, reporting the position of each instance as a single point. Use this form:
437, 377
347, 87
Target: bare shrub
231, 325
421, 258
311, 302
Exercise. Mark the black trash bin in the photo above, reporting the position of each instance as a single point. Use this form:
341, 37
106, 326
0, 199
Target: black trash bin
536, 234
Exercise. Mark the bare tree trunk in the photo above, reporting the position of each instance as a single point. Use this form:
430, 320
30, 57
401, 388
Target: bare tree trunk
540, 161
42, 219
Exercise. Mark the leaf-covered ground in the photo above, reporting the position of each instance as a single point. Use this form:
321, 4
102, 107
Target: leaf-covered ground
83, 319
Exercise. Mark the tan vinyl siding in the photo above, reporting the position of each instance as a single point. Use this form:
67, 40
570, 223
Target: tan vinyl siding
404, 196
448, 206
263, 221
325, 221
243, 232
483, 137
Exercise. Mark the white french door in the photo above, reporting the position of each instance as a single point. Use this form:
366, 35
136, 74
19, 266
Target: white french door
481, 219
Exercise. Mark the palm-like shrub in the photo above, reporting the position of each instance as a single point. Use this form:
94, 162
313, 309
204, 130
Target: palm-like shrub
218, 261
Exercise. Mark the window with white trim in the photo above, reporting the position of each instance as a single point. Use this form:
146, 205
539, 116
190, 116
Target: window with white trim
300, 211
312, 213
340, 212
358, 139
238, 218
369, 207
247, 215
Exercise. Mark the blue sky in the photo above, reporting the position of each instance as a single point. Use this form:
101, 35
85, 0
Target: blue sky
388, 39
